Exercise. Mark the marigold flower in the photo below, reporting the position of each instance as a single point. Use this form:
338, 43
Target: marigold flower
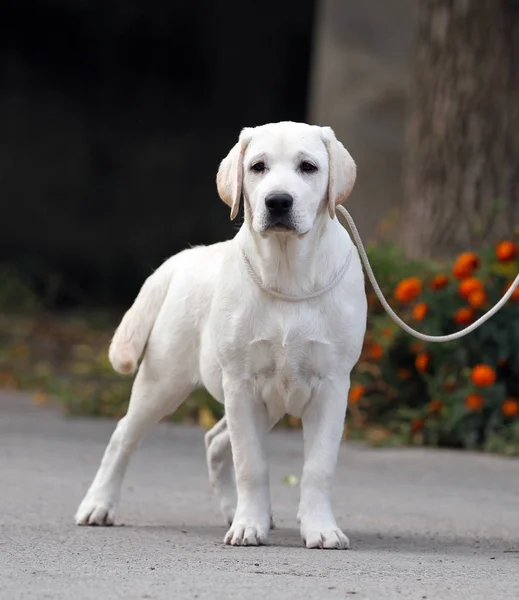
376, 351
469, 285
408, 289
356, 392
483, 375
477, 298
464, 316
465, 265
422, 362
435, 406
419, 311
474, 402
506, 250
439, 281
510, 407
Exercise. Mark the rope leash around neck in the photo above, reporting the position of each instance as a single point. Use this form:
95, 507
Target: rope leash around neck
286, 297
421, 336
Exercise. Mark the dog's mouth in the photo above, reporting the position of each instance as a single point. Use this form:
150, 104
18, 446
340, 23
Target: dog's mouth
280, 226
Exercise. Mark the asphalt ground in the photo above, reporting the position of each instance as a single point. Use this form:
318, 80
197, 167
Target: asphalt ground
423, 524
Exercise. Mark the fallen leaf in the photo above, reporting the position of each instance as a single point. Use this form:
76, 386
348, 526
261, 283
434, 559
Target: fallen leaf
294, 422
291, 480
206, 419
377, 434
40, 398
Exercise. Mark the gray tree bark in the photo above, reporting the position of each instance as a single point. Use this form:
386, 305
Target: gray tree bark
461, 170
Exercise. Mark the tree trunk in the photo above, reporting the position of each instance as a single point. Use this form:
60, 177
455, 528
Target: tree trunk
461, 172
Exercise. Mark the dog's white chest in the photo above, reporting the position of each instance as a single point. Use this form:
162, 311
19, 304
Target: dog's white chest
286, 362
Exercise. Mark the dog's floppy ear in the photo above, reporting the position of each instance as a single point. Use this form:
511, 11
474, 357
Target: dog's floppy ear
343, 170
229, 179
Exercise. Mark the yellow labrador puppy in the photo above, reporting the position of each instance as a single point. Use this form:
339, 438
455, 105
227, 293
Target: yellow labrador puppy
270, 322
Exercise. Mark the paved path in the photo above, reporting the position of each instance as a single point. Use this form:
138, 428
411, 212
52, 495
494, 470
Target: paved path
423, 524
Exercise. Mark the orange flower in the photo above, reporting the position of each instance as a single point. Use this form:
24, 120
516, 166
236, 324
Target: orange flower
483, 376
387, 332
417, 425
477, 298
403, 374
439, 282
469, 285
435, 406
463, 316
356, 393
465, 265
510, 407
506, 250
515, 294
419, 311
474, 402
408, 289
422, 362
376, 351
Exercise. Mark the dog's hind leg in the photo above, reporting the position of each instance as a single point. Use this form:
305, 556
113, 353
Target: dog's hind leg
221, 469
151, 400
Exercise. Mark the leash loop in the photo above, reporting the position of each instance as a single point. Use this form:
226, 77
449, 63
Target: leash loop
417, 334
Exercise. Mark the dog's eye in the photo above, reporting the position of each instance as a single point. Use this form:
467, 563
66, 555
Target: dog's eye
307, 167
258, 167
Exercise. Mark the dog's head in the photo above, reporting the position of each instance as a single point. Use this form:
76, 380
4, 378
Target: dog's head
288, 174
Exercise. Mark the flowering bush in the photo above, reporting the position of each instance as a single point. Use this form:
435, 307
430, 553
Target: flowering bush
461, 394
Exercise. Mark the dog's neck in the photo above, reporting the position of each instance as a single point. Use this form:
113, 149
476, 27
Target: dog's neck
297, 265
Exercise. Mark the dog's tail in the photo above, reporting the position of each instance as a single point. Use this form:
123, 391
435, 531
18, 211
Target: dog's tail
132, 334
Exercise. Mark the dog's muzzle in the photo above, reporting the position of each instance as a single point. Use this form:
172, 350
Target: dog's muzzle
279, 211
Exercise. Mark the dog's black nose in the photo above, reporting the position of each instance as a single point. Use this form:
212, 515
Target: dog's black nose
279, 204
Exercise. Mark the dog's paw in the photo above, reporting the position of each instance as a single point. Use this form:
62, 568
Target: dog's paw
94, 511
246, 533
325, 537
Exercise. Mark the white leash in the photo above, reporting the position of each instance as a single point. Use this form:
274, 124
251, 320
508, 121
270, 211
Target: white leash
421, 336
364, 257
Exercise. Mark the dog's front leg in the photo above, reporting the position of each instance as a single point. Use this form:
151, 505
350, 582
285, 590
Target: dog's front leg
248, 423
323, 424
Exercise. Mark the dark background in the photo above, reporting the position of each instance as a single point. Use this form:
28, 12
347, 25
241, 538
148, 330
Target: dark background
114, 117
